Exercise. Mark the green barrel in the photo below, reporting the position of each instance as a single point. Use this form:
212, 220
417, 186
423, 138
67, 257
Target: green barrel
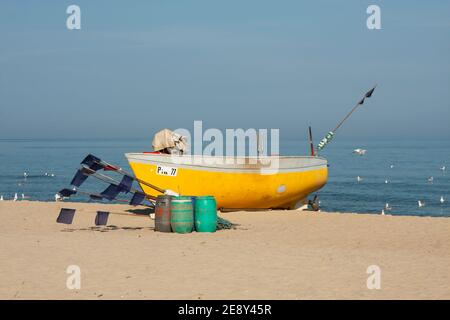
205, 214
182, 215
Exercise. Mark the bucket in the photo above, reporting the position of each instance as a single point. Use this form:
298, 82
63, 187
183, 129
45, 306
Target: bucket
162, 214
205, 214
182, 215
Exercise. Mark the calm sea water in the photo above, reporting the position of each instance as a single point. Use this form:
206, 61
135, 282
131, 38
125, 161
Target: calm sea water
413, 161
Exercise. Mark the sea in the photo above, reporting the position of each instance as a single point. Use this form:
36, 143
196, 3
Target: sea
397, 173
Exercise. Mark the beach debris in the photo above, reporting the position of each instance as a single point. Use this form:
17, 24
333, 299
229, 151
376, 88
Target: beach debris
360, 152
442, 200
330, 134
387, 206
66, 216
430, 179
101, 219
421, 204
359, 179
15, 197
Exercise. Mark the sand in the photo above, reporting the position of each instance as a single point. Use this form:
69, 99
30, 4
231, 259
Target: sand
271, 255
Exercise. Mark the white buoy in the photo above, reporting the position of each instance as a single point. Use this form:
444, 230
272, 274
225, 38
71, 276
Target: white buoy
442, 199
421, 204
57, 197
359, 179
15, 197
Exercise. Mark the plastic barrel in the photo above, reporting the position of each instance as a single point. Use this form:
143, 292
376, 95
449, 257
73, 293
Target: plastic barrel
205, 214
182, 215
162, 214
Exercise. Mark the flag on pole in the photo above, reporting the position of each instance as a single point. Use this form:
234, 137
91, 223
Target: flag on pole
92, 162
101, 218
125, 184
137, 199
65, 216
111, 192
78, 179
67, 192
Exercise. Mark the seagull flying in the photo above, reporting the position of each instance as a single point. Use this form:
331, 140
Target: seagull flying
360, 152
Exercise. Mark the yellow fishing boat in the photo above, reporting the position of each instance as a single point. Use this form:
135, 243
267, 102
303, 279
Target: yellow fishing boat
235, 182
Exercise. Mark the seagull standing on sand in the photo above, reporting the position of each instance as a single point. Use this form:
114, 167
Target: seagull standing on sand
15, 197
359, 179
382, 212
1, 198
421, 204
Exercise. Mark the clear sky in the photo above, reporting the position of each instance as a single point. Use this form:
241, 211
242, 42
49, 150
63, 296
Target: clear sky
138, 66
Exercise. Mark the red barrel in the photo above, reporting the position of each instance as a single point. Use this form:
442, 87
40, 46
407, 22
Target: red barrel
162, 214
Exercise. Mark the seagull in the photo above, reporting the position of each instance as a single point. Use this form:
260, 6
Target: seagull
25, 175
52, 175
23, 196
1, 198
421, 204
387, 206
442, 199
360, 152
391, 166
15, 197
386, 181
430, 179
46, 174
382, 212
57, 197
443, 168
359, 179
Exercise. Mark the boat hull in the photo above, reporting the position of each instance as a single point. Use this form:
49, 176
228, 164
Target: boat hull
274, 182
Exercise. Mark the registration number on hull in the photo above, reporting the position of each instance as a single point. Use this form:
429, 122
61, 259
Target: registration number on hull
166, 171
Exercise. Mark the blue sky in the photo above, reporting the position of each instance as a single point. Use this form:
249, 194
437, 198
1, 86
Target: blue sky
138, 66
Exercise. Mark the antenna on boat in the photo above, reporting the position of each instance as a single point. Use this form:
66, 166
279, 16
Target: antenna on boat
330, 134
311, 142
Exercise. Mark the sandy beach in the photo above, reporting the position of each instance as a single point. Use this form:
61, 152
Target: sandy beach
270, 255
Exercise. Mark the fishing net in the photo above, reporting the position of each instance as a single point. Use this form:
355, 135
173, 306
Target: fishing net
225, 224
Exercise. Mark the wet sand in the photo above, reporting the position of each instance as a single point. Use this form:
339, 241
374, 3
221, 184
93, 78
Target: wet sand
270, 255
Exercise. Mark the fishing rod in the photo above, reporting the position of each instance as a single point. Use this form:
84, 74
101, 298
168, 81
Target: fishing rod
96, 163
330, 134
